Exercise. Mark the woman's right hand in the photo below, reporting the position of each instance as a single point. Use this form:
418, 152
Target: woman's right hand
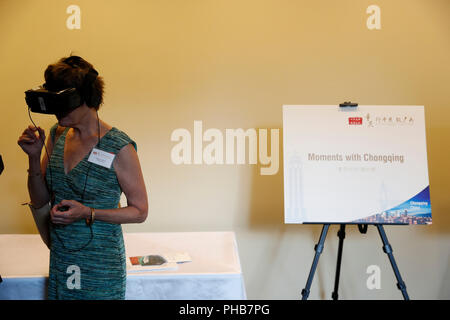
31, 143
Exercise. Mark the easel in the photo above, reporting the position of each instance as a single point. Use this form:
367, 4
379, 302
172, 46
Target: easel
341, 234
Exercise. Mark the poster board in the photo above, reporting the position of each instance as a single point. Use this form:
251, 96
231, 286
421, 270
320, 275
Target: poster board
362, 165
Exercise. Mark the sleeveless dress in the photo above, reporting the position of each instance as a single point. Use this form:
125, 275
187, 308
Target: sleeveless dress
87, 262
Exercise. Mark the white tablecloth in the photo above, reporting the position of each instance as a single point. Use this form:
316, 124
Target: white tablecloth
214, 273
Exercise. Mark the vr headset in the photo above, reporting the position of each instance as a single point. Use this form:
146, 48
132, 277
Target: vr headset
41, 100
62, 102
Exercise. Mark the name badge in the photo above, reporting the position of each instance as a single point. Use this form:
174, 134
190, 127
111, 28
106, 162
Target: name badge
102, 158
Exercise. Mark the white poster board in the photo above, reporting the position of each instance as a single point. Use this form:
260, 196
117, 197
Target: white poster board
366, 165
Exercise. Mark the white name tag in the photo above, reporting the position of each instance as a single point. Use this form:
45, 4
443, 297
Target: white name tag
102, 158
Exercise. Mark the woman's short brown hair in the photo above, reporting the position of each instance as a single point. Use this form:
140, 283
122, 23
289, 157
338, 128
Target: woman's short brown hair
75, 72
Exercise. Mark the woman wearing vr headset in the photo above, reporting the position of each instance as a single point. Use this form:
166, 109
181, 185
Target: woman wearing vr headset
75, 191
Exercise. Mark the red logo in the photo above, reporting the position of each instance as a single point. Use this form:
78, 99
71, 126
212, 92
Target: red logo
355, 120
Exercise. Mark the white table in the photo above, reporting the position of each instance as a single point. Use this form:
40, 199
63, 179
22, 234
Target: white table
214, 273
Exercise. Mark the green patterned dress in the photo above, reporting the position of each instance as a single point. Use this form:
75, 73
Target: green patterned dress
87, 262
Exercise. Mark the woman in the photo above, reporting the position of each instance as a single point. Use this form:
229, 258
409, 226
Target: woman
87, 254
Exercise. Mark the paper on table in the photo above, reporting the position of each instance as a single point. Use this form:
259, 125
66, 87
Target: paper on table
177, 257
163, 267
172, 259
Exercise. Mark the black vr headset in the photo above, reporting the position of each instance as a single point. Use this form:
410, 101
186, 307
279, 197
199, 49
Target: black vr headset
62, 102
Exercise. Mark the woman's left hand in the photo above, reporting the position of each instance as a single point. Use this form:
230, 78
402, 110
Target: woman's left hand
75, 212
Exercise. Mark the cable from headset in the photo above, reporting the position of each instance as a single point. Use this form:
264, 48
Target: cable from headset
48, 158
82, 199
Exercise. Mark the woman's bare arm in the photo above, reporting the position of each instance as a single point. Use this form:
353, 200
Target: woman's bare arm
37, 188
129, 175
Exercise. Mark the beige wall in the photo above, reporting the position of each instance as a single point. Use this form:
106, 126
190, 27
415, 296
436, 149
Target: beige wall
233, 64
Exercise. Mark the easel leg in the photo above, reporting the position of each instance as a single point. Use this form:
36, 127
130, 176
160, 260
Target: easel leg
388, 250
318, 248
341, 235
